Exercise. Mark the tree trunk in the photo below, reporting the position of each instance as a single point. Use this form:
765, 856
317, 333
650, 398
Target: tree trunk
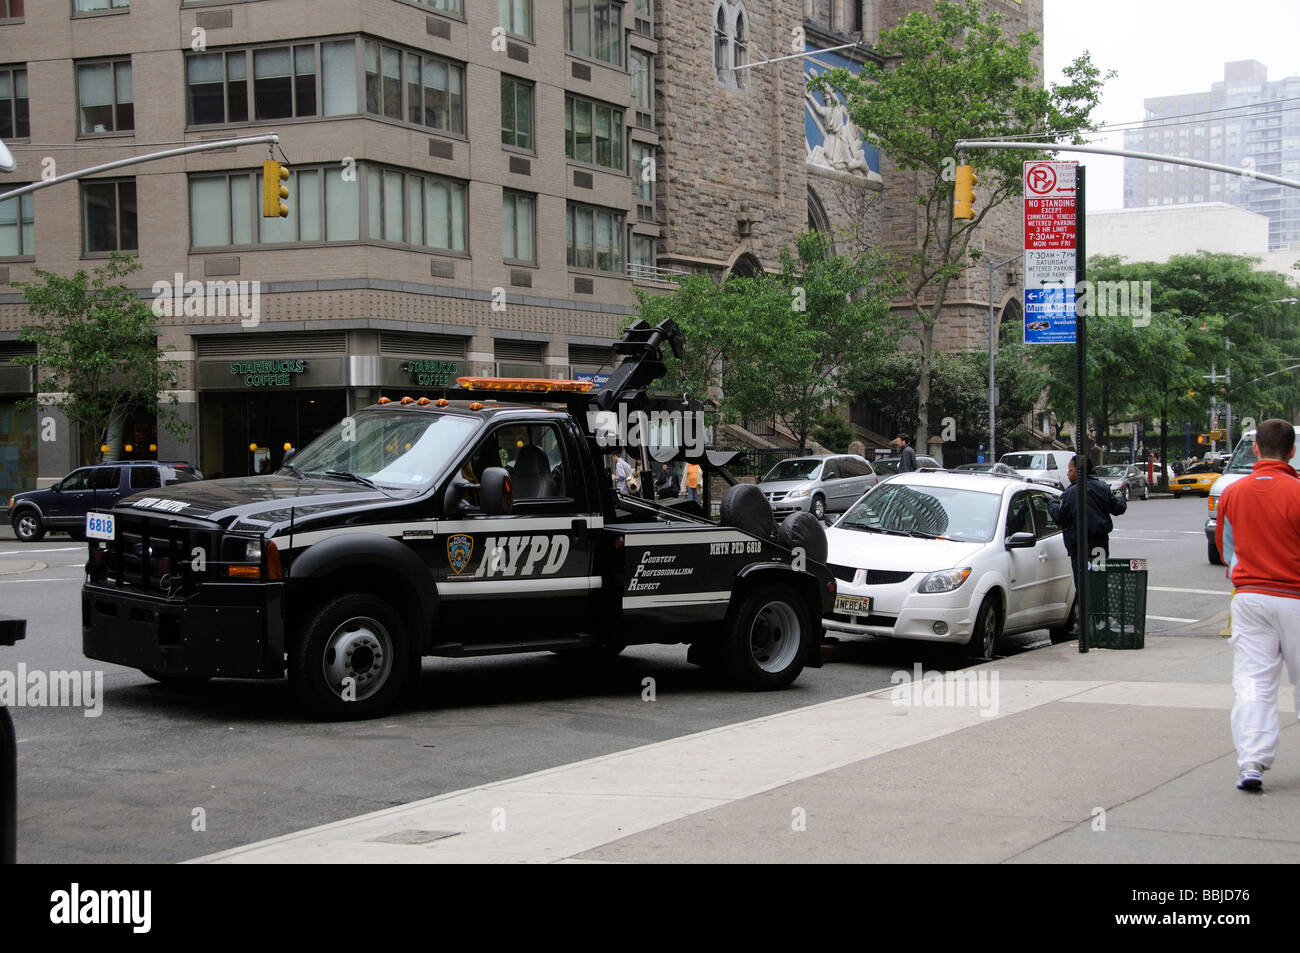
116, 426
922, 436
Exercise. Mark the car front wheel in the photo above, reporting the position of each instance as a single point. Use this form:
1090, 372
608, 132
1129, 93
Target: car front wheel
28, 526
987, 629
819, 508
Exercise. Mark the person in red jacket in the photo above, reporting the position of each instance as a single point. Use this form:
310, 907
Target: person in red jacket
1258, 533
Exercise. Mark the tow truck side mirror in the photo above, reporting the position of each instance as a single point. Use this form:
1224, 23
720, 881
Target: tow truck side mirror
495, 496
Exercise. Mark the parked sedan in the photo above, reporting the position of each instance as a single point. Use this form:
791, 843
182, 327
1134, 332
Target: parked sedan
819, 485
1195, 479
997, 469
953, 558
1125, 479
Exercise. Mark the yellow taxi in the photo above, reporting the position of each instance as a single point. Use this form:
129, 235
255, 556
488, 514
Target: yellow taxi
1197, 479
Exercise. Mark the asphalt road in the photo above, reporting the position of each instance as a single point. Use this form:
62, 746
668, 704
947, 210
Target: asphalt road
132, 784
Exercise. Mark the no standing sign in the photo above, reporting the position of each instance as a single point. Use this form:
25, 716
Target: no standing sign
1049, 252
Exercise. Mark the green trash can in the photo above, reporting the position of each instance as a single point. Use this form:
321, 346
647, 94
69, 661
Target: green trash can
1117, 605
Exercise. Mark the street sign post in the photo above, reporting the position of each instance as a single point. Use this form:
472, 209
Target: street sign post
1050, 236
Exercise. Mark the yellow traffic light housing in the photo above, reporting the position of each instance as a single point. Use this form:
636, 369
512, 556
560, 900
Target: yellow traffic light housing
1200, 438
963, 199
274, 191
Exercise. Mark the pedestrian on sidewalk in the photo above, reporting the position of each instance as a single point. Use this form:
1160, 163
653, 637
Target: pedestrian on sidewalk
1102, 505
1258, 535
906, 455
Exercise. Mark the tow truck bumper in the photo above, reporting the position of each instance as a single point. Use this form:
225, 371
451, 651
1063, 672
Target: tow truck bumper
233, 630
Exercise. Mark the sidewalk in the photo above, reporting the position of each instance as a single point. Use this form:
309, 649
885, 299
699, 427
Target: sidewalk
1108, 757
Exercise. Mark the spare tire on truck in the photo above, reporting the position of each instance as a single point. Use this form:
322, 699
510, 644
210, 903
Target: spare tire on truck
803, 530
745, 507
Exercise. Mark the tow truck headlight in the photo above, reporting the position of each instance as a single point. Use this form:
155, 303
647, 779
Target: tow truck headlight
944, 581
253, 551
796, 494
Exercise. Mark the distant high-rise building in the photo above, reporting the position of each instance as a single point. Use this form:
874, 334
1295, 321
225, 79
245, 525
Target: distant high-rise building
1244, 121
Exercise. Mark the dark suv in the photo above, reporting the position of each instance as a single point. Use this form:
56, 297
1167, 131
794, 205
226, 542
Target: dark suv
65, 504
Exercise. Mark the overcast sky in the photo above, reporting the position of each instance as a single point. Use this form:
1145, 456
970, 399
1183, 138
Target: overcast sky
1159, 48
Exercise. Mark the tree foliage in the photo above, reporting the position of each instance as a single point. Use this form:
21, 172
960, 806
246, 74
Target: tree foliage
97, 355
787, 345
952, 76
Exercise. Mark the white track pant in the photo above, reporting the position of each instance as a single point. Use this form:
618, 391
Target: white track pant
1265, 632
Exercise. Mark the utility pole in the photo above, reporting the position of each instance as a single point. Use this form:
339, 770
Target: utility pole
993, 343
1214, 377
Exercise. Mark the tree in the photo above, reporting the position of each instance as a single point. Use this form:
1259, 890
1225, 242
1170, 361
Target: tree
97, 350
786, 345
834, 432
956, 76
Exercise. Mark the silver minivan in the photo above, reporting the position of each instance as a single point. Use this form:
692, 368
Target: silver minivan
823, 484
1041, 466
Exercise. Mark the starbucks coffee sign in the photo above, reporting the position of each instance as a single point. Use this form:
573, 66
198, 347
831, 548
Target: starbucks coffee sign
276, 372
427, 373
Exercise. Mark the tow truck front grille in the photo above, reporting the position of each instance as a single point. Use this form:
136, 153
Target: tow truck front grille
158, 556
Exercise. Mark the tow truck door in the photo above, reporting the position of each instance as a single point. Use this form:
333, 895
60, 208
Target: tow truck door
528, 573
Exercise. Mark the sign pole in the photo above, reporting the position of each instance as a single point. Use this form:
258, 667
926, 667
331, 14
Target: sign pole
1081, 413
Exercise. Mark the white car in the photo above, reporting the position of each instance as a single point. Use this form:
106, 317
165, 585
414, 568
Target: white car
954, 558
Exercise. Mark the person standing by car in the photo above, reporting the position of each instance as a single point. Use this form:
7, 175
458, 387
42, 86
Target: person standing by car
1101, 504
621, 473
1258, 534
693, 482
906, 455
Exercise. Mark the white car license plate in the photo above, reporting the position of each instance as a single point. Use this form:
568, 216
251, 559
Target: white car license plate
99, 526
853, 605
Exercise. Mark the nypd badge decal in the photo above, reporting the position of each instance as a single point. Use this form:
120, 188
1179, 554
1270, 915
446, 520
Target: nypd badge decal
459, 550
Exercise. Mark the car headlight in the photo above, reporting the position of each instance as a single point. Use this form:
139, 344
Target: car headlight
253, 551
944, 581
795, 494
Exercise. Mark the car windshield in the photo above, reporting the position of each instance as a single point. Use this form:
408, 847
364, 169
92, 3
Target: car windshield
1110, 471
927, 511
391, 448
793, 470
1209, 467
1243, 458
1026, 461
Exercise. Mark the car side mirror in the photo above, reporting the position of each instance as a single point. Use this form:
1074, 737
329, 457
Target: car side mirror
1020, 541
56, 488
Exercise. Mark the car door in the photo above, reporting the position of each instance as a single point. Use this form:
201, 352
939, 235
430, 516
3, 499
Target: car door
1024, 581
1054, 561
833, 486
857, 478
106, 487
526, 573
70, 498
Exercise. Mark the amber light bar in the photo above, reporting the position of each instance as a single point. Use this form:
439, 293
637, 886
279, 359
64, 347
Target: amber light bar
537, 384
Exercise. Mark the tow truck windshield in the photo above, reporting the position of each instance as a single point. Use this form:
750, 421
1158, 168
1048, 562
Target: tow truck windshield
387, 448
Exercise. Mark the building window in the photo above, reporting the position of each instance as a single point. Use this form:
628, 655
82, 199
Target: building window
286, 83
11, 9
720, 43
104, 99
516, 113
642, 88
643, 173
17, 225
412, 209
14, 118
643, 17
517, 18
594, 238
642, 259
108, 216
433, 88
85, 6
518, 224
593, 132
739, 49
446, 6
594, 28
730, 42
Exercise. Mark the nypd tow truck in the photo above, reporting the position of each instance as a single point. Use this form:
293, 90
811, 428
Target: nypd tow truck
478, 523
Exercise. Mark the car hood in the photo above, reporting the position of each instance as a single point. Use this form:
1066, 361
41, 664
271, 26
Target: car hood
863, 550
1224, 481
258, 500
785, 486
1112, 480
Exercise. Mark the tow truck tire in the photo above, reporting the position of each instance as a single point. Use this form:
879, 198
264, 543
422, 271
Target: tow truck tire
28, 526
746, 508
352, 636
804, 530
768, 637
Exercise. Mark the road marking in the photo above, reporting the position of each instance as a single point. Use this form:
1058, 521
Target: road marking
14, 582
28, 552
1170, 618
1203, 592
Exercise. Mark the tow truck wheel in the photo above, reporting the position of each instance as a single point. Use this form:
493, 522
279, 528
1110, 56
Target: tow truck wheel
767, 638
351, 658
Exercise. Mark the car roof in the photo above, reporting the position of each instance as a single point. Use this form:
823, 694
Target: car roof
967, 480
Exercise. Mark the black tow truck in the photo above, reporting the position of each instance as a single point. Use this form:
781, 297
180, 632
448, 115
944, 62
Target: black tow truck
480, 522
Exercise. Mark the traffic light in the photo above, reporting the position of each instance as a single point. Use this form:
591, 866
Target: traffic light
1200, 438
274, 191
963, 198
